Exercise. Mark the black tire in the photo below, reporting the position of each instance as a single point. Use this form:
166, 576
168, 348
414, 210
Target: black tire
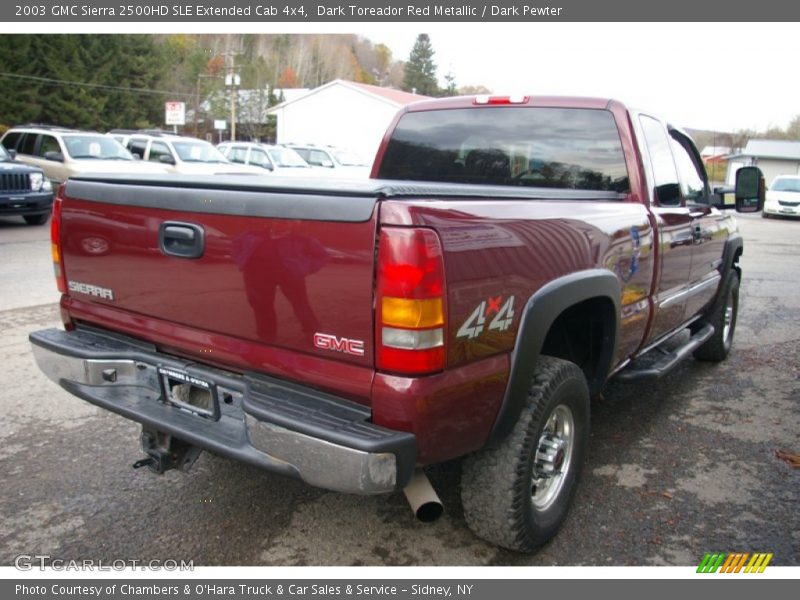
717, 347
498, 488
36, 219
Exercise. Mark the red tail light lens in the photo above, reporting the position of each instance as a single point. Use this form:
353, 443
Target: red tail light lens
410, 308
500, 100
55, 242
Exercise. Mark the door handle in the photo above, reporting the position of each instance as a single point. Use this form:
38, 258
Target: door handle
184, 240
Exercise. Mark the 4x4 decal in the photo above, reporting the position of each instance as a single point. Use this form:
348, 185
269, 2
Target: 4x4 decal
476, 323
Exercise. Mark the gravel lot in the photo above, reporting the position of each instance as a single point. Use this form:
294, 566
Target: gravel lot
676, 468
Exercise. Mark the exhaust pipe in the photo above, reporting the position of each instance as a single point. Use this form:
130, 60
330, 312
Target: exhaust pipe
422, 497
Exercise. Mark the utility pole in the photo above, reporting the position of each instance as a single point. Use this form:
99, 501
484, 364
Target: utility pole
232, 81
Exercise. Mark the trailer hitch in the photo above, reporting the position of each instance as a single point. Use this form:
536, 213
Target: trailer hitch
165, 452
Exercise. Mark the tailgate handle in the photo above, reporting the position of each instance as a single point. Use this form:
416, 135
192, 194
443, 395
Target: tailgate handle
184, 240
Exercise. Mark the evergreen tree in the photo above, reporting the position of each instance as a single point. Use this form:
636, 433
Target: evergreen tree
420, 75
20, 96
85, 81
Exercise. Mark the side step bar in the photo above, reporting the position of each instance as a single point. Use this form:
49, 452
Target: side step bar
669, 361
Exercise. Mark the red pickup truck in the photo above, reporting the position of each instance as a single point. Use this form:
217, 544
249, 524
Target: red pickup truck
506, 258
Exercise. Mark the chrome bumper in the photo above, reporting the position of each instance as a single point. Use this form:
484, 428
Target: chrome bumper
324, 440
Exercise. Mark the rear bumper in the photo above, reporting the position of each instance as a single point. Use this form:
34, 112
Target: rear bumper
282, 427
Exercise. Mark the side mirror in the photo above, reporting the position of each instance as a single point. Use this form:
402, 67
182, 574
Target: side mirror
53, 155
166, 159
328, 164
750, 190
267, 166
12, 154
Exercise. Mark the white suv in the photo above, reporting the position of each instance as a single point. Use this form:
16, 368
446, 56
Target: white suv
62, 153
186, 155
334, 162
277, 159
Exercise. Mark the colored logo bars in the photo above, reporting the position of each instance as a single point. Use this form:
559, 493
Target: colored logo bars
734, 562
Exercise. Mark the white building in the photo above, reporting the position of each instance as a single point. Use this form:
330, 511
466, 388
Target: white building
341, 113
773, 157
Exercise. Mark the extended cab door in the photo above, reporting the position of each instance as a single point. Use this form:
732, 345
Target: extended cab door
708, 230
675, 227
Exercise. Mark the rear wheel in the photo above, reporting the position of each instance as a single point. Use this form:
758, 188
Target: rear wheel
36, 219
723, 318
517, 492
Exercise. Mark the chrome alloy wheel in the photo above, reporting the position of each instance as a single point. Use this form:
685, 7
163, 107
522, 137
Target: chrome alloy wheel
553, 458
727, 319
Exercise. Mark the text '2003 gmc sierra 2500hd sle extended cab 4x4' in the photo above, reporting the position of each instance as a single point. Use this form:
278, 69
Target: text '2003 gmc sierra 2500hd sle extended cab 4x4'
506, 258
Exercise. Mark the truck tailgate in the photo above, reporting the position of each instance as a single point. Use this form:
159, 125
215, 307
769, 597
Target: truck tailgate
289, 268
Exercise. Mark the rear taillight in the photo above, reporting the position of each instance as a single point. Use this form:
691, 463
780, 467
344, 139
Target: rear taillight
55, 242
410, 307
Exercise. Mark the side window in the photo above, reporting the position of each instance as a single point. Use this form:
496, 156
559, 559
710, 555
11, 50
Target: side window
10, 141
27, 143
693, 183
137, 147
157, 150
668, 189
305, 154
319, 159
237, 154
48, 144
260, 158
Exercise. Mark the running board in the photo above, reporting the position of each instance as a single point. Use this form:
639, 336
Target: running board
669, 361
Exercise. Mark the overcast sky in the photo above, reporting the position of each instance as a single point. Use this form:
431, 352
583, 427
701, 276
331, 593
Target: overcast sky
716, 76
709, 76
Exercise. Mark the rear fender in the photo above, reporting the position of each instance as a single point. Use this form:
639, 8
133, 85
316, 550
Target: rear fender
539, 314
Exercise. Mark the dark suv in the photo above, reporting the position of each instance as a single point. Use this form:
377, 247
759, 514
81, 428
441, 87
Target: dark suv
24, 190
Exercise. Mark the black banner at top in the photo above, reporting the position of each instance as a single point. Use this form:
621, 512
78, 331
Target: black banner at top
410, 11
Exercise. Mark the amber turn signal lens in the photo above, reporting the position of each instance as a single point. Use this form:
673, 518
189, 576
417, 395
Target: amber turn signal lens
412, 313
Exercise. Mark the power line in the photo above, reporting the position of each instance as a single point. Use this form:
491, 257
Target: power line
96, 85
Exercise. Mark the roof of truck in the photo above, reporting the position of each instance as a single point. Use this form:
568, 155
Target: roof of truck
514, 100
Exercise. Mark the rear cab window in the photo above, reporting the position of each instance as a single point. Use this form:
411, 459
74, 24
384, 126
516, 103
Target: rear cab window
565, 148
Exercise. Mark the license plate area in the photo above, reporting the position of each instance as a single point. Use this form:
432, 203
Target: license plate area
189, 393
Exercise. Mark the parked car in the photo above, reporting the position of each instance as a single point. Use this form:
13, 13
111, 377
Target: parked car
337, 162
24, 190
186, 155
783, 197
62, 152
278, 159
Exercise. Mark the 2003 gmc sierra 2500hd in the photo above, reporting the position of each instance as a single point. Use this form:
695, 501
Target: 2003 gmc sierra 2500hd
508, 256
